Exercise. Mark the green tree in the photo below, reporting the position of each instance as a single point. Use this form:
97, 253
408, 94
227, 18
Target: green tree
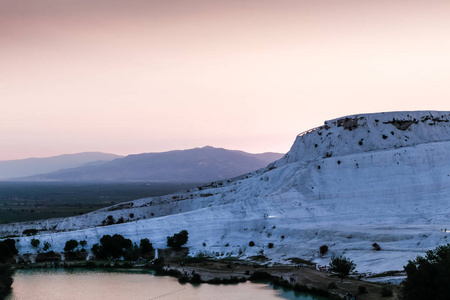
428, 277
323, 249
177, 240
114, 246
7, 251
342, 266
70, 245
35, 243
146, 248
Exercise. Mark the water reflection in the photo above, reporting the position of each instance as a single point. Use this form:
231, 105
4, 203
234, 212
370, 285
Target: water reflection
61, 284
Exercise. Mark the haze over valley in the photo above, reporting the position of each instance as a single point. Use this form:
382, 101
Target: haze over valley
371, 178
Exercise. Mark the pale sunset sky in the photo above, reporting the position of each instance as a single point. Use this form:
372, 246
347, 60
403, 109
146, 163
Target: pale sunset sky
133, 76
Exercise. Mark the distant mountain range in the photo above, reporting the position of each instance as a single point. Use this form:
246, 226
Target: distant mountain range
354, 181
33, 166
193, 165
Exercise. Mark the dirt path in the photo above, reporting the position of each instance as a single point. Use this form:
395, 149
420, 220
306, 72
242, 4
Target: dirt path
306, 275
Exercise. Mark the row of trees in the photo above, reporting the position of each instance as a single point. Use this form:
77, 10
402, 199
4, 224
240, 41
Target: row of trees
117, 246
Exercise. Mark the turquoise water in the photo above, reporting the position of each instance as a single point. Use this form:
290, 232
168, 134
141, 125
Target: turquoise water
60, 284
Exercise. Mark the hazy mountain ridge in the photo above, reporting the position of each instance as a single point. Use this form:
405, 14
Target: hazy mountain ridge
393, 188
32, 166
192, 165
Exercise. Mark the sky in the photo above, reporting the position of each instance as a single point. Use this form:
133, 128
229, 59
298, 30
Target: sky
134, 76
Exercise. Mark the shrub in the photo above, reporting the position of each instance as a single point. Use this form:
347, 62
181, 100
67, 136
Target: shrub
251, 244
29, 232
386, 292
362, 289
70, 245
46, 246
261, 276
196, 278
332, 285
48, 257
35, 243
323, 249
120, 221
110, 220
183, 279
376, 247
83, 243
75, 255
131, 215
178, 239
270, 245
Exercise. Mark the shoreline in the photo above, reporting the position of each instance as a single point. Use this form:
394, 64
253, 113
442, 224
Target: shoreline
304, 278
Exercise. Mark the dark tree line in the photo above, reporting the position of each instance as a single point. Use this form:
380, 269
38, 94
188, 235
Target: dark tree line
428, 277
117, 246
7, 251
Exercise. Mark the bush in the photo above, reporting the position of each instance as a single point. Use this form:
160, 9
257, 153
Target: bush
29, 232
83, 243
323, 249
270, 245
46, 246
362, 289
70, 245
110, 220
35, 243
196, 278
332, 285
178, 240
251, 244
386, 292
376, 247
75, 255
261, 276
48, 257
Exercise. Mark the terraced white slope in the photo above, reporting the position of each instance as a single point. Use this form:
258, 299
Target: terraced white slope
381, 178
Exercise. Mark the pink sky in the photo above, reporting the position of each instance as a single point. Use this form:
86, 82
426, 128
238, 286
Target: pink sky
132, 76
